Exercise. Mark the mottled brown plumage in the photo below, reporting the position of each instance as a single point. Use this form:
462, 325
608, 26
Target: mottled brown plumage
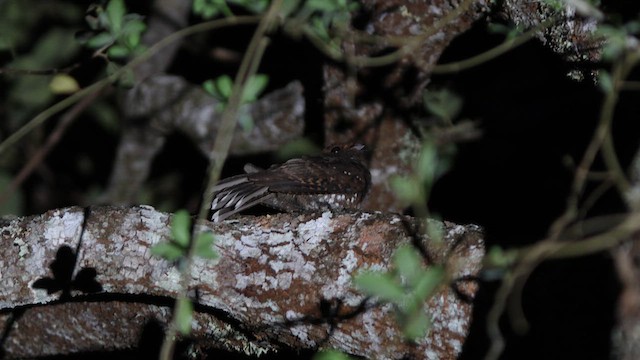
334, 180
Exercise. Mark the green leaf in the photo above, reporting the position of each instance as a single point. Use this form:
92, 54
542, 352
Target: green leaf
181, 228
428, 282
254, 6
224, 86
381, 285
168, 251
416, 326
254, 87
127, 79
115, 12
322, 5
408, 263
133, 31
435, 231
184, 315
246, 122
331, 355
210, 87
605, 81
497, 257
100, 40
118, 52
427, 163
407, 189
288, 7
204, 246
444, 103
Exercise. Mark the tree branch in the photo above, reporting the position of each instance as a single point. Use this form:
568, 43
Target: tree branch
283, 281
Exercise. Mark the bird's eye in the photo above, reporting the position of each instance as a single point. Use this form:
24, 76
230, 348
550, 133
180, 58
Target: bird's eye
335, 149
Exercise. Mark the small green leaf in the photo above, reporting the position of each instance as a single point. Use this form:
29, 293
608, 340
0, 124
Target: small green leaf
100, 40
497, 28
133, 32
224, 85
435, 231
184, 315
331, 355
497, 257
417, 325
246, 122
605, 81
63, 84
204, 246
127, 80
210, 87
254, 87
408, 263
444, 103
112, 68
181, 227
322, 5
382, 285
115, 12
407, 189
428, 282
118, 52
288, 7
427, 163
168, 251
254, 6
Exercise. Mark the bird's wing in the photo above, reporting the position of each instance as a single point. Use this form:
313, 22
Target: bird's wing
312, 175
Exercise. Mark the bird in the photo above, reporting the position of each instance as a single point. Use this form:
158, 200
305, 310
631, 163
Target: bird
336, 179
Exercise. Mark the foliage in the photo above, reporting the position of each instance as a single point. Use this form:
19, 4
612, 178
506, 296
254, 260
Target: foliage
430, 165
444, 104
331, 355
221, 87
407, 286
113, 30
209, 9
178, 247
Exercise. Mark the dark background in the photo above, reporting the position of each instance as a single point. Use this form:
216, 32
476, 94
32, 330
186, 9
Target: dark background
513, 181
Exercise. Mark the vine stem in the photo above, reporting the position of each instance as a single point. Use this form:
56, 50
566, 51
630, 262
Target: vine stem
248, 68
74, 98
527, 259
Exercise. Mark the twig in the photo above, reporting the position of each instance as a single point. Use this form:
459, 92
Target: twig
51, 142
219, 153
551, 247
66, 102
507, 45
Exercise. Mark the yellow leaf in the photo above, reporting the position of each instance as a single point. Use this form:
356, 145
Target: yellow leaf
63, 84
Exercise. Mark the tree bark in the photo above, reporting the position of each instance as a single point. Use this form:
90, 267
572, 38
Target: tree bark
75, 280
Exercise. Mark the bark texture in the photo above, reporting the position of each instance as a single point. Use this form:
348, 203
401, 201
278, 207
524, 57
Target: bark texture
282, 281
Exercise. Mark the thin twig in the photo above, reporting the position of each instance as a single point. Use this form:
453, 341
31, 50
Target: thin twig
68, 101
507, 45
247, 69
552, 247
51, 142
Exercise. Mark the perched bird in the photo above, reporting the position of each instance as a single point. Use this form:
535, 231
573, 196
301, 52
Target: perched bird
336, 179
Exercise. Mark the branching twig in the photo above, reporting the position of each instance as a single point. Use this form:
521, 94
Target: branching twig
53, 139
552, 247
66, 102
507, 45
219, 153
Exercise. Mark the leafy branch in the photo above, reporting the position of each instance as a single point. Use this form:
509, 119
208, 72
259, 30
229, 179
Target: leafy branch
516, 265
